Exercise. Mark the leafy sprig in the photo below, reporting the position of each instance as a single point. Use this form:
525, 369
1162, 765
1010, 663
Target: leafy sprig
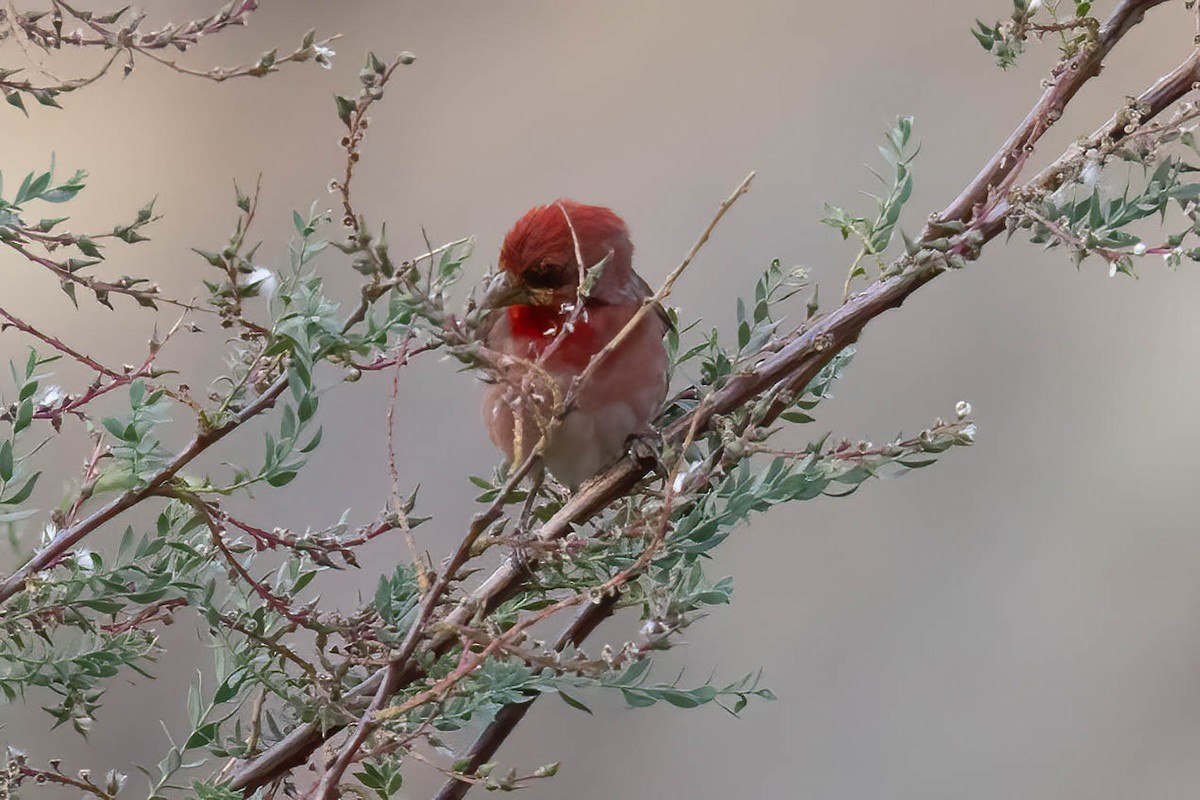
126, 38
875, 234
39, 242
1006, 39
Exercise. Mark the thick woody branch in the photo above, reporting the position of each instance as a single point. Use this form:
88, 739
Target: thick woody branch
1169, 89
794, 363
1165, 92
1069, 78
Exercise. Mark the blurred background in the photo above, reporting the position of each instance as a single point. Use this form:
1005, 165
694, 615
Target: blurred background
1021, 620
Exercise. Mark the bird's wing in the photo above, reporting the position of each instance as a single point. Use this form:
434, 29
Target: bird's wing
643, 291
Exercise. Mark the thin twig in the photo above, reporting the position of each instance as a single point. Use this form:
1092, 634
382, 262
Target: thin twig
506, 720
58, 345
649, 304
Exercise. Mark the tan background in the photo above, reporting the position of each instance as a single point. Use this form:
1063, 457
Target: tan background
1022, 620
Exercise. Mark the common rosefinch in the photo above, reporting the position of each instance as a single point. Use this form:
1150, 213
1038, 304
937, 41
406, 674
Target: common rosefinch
536, 294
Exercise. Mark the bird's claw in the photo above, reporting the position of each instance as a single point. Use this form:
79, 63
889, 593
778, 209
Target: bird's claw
648, 446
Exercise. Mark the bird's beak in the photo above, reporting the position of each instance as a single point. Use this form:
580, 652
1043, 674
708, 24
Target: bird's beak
504, 290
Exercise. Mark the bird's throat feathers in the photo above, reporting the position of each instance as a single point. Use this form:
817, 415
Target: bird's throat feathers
541, 325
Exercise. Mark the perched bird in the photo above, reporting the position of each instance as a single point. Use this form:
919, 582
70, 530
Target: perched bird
540, 318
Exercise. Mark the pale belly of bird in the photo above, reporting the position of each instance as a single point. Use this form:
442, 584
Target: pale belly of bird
620, 399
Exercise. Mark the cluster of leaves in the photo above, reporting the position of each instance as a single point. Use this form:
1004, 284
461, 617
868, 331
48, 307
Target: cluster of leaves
98, 602
396, 599
1006, 39
716, 488
109, 607
754, 329
1086, 217
733, 697
382, 775
675, 587
37, 186
136, 451
76, 673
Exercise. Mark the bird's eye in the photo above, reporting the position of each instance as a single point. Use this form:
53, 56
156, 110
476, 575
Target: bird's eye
544, 276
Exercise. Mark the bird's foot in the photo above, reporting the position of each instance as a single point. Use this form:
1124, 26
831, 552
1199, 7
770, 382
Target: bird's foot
521, 553
647, 446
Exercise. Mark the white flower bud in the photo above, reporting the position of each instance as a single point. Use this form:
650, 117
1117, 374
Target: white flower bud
324, 55
653, 628
49, 396
85, 560
264, 280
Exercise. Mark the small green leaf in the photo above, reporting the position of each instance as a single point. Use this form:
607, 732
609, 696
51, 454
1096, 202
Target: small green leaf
23, 493
345, 107
283, 478
573, 702
313, 442
202, 736
637, 699
6, 461
115, 427
24, 415
14, 99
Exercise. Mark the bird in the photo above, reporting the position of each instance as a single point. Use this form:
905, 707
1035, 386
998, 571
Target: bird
550, 330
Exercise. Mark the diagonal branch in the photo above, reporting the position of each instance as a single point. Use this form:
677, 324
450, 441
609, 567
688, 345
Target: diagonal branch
70, 536
398, 662
1165, 92
1068, 78
7, 319
802, 355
